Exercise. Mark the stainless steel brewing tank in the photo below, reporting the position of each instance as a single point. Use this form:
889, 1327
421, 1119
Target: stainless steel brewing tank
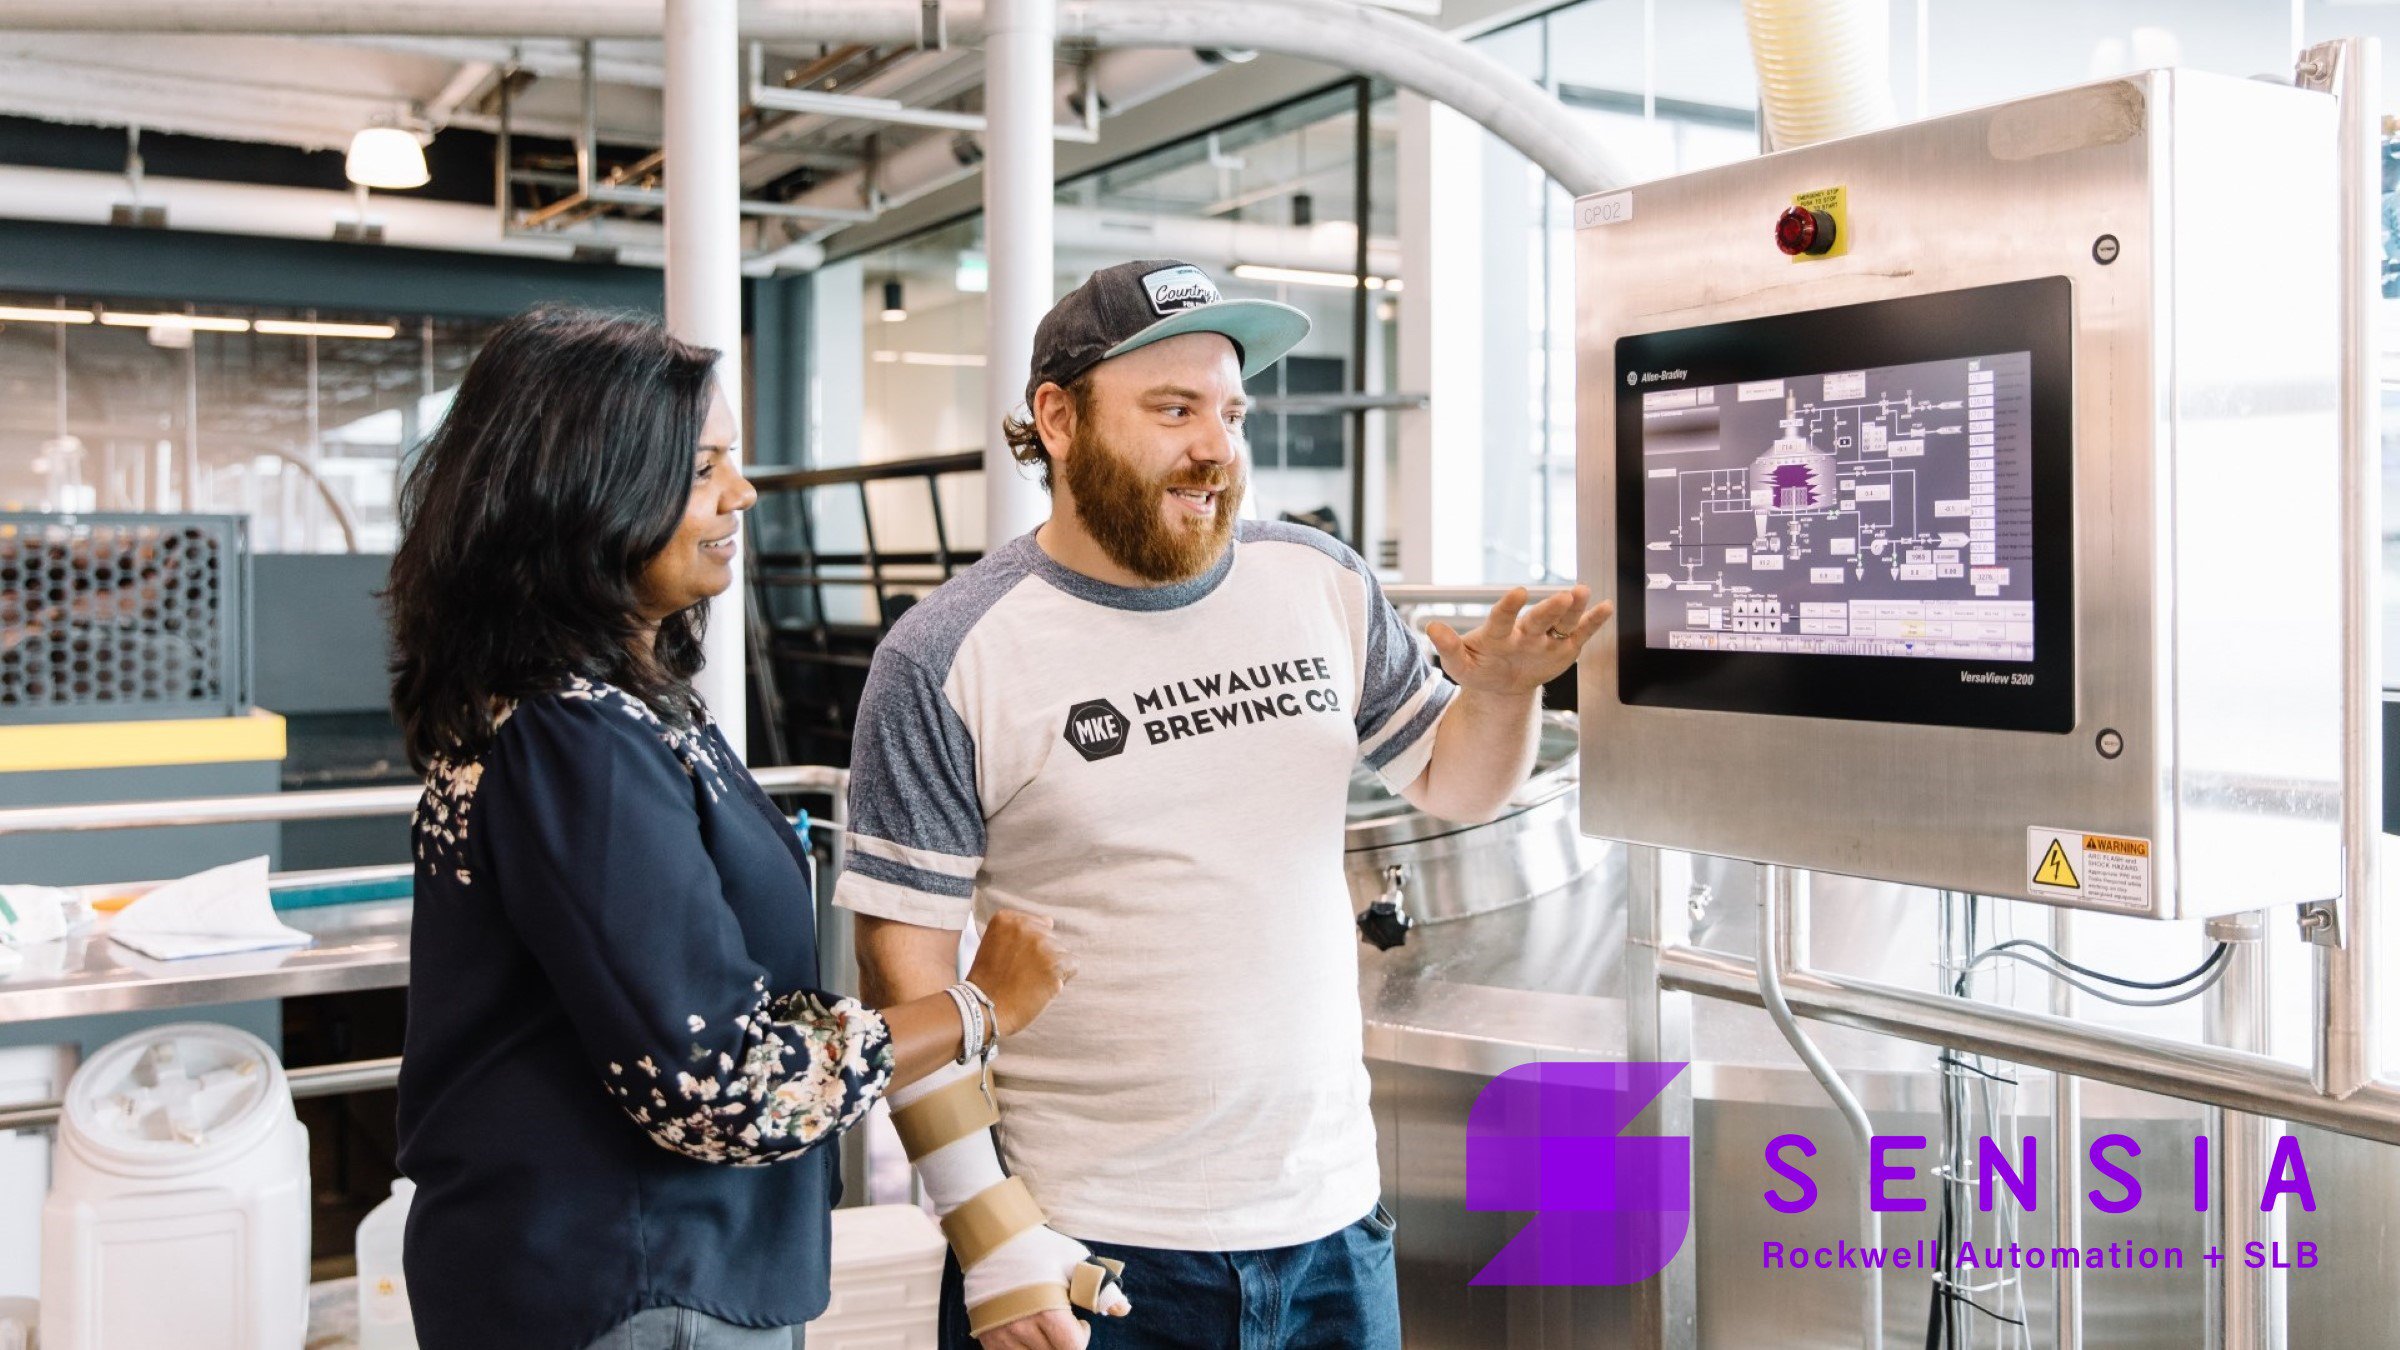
1450, 871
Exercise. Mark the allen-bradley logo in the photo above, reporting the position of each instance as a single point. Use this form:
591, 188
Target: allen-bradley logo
1096, 729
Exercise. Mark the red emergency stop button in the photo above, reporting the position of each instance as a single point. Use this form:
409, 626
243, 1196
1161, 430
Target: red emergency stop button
1799, 230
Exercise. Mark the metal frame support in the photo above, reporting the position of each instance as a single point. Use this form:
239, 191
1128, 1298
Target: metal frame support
587, 132
2346, 933
892, 111
1362, 198
2066, 1145
1020, 49
2245, 1308
704, 274
1658, 1028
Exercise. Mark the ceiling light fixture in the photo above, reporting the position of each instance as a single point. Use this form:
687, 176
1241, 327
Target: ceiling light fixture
199, 323
12, 314
952, 359
297, 328
386, 157
1301, 276
894, 311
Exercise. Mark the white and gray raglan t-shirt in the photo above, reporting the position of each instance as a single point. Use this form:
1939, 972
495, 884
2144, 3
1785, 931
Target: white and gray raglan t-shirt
1164, 773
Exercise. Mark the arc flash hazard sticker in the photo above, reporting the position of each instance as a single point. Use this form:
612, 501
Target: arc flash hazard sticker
2091, 869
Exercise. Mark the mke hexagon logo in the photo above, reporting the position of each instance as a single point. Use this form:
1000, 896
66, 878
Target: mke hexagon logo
1096, 729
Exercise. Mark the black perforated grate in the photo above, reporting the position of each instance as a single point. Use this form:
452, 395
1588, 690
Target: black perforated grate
122, 616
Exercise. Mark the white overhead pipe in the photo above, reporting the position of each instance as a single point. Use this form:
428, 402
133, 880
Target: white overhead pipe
1328, 247
1122, 79
563, 60
1127, 78
1344, 35
704, 288
927, 164
1020, 52
1117, 235
1366, 41
79, 197
37, 85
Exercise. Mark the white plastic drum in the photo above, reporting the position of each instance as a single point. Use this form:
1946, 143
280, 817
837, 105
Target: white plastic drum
178, 1210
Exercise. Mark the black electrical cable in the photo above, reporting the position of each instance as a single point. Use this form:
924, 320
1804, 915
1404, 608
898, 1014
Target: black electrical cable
1957, 1063
1997, 1317
1941, 1330
2210, 972
2053, 955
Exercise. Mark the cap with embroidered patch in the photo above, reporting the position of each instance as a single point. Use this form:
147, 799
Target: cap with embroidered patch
1134, 304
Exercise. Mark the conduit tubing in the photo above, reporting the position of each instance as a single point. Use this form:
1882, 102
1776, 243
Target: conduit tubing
1782, 942
1340, 34
1824, 67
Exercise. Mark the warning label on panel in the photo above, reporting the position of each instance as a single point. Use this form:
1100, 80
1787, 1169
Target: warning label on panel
2091, 869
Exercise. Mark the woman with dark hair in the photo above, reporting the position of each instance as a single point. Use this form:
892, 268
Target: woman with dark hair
613, 1023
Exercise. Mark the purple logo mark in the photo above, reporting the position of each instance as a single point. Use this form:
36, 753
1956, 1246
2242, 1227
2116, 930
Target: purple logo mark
1608, 1209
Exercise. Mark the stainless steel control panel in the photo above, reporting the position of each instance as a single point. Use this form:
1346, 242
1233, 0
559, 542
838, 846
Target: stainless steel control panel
1969, 494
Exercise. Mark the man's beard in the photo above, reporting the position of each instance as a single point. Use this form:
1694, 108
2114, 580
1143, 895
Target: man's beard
1120, 508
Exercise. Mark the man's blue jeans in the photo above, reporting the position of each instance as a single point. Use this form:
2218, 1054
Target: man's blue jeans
1340, 1292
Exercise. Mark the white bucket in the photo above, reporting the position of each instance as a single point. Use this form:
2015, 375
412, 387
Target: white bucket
179, 1205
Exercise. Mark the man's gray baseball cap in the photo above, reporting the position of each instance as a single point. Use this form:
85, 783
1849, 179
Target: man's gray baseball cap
1134, 304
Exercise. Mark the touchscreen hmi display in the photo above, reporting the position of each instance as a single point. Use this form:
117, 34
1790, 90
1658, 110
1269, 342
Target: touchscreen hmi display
1885, 511
1862, 512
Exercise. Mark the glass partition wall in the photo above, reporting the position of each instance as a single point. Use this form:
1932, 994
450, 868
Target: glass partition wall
297, 419
1267, 205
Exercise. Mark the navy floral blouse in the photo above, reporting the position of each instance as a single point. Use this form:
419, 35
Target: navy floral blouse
612, 1034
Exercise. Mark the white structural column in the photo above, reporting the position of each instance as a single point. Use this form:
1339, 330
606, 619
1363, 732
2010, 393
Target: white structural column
704, 277
1441, 344
1020, 44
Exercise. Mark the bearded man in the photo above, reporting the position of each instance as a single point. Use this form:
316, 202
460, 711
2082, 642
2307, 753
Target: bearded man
1139, 722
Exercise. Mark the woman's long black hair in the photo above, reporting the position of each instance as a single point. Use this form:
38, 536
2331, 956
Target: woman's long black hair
564, 466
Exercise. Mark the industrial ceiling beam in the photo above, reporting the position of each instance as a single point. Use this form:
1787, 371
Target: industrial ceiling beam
1344, 35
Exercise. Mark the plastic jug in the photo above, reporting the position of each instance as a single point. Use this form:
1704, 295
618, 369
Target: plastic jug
384, 1321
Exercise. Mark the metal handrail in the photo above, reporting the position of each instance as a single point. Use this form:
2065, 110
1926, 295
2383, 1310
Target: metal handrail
316, 1080
2237, 1079
364, 1075
336, 804
770, 479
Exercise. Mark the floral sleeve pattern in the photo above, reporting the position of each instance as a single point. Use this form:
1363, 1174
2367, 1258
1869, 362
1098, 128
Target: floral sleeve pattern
806, 1069
586, 834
